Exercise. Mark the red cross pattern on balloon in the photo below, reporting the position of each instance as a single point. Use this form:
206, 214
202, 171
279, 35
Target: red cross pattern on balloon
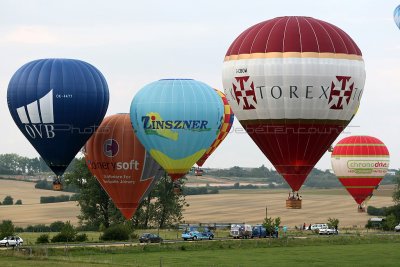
245, 94
340, 92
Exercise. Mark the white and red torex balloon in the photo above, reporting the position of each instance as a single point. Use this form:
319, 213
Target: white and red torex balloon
294, 83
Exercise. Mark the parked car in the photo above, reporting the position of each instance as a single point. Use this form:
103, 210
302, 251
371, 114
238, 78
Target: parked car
209, 234
319, 226
241, 231
196, 235
397, 228
260, 231
11, 241
150, 238
328, 231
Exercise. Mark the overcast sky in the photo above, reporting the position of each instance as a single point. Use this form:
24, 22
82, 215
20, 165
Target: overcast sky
136, 42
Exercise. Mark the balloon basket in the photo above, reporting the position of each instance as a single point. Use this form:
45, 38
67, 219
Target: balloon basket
361, 210
57, 187
293, 203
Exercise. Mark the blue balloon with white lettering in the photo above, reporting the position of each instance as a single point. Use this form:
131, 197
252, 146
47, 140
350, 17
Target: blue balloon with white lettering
177, 120
57, 104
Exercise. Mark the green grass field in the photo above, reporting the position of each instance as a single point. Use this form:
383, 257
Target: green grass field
370, 250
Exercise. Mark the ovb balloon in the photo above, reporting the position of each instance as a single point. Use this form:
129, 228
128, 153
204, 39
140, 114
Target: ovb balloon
57, 104
176, 120
121, 164
294, 83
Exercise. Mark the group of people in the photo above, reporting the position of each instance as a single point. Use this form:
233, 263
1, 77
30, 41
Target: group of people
305, 227
293, 196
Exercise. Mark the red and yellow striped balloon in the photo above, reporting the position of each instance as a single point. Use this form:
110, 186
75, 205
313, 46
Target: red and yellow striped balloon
360, 163
227, 121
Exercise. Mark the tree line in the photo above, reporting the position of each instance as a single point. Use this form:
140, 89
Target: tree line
316, 178
14, 164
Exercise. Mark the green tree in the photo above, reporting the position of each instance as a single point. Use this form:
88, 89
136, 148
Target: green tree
168, 205
18, 202
271, 224
8, 200
333, 223
96, 206
390, 222
161, 208
7, 228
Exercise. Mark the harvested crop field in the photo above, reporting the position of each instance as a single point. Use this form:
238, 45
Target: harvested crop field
249, 206
32, 212
226, 207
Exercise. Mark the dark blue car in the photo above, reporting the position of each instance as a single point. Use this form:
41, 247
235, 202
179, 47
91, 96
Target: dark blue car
260, 232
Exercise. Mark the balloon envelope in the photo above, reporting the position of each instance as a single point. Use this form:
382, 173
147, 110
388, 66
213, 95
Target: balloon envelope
396, 16
227, 121
360, 163
176, 120
57, 104
120, 163
294, 83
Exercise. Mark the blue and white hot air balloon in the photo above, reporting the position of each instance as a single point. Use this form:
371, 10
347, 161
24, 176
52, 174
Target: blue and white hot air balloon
57, 104
177, 120
396, 16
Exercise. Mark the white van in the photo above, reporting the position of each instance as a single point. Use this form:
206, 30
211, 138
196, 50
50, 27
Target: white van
319, 226
241, 231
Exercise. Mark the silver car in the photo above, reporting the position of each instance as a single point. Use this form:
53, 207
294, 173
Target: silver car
11, 241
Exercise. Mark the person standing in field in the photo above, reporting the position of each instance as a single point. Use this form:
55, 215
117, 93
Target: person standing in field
284, 230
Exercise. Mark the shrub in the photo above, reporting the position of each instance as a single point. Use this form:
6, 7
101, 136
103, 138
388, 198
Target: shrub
390, 223
19, 229
7, 228
37, 228
117, 232
333, 223
57, 226
67, 234
54, 199
8, 200
62, 237
371, 210
18, 202
43, 239
44, 184
81, 238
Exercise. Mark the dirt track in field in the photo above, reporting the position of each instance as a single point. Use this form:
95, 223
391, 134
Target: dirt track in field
226, 207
